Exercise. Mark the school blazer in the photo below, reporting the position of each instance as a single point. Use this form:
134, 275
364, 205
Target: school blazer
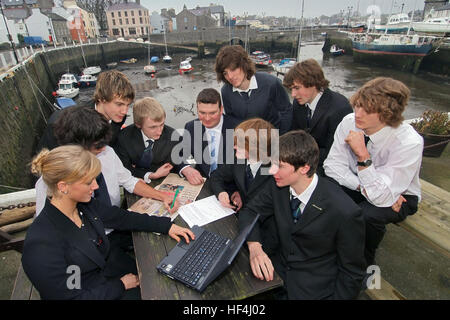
130, 147
330, 110
234, 174
191, 141
54, 245
322, 255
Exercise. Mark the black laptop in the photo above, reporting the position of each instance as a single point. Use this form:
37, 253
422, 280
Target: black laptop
201, 261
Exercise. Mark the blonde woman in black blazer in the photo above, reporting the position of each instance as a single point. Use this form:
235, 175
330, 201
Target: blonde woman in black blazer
66, 254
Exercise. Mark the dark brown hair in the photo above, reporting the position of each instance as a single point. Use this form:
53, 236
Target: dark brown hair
233, 57
210, 96
386, 96
112, 84
309, 73
299, 148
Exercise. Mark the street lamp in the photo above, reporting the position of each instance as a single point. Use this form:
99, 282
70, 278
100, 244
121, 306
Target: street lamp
9, 34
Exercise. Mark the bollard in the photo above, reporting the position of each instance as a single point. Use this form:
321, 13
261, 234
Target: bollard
32, 50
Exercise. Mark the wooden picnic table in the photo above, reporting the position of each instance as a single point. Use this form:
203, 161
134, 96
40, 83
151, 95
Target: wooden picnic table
237, 282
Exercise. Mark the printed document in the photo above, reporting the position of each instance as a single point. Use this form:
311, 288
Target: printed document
203, 211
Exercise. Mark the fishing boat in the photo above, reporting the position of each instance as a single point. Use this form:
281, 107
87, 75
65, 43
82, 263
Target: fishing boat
131, 60
92, 70
433, 25
397, 23
336, 51
87, 80
400, 51
185, 67
67, 89
69, 77
261, 59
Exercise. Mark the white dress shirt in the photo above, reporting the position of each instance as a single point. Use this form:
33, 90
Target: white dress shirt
217, 132
115, 174
253, 85
306, 194
313, 104
396, 155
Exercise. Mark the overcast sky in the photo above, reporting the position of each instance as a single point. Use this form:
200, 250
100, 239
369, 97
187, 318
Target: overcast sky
290, 8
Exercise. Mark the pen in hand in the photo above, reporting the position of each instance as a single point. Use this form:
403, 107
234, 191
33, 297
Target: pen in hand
174, 198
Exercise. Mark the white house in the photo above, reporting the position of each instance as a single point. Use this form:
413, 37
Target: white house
13, 29
38, 25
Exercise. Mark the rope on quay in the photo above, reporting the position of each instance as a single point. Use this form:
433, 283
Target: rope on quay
32, 83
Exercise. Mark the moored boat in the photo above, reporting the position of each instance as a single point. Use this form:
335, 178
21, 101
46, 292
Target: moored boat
111, 65
185, 67
87, 80
284, 65
397, 23
131, 60
67, 89
154, 59
63, 102
69, 77
433, 25
149, 69
92, 70
336, 51
260, 58
167, 59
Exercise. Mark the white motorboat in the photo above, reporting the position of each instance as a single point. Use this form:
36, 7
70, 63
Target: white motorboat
67, 89
87, 80
92, 70
397, 23
69, 77
336, 51
149, 69
433, 25
167, 59
185, 67
284, 66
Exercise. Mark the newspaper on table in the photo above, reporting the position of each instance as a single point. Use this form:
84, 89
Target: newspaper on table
187, 193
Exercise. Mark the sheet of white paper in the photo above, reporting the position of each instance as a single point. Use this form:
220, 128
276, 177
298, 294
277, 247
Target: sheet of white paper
203, 211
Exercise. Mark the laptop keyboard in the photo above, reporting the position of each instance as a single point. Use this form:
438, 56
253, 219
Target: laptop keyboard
199, 258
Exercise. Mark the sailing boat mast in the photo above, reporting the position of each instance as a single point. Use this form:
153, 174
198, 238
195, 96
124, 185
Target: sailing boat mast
165, 41
300, 33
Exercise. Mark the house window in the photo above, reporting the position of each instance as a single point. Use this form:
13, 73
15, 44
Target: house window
134, 22
126, 20
132, 13
120, 14
112, 14
185, 19
120, 21
140, 12
132, 30
126, 13
114, 22
140, 20
116, 32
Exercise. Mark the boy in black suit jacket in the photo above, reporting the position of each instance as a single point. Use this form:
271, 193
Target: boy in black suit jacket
316, 109
145, 147
320, 229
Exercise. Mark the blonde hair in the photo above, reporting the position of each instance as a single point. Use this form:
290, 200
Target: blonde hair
147, 108
69, 163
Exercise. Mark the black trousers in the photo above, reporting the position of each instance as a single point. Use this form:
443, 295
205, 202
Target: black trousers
376, 219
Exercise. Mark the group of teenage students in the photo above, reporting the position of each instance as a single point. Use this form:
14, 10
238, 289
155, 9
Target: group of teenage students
324, 173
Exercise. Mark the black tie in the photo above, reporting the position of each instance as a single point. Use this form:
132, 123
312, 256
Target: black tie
147, 156
101, 194
366, 140
248, 177
295, 208
245, 95
308, 117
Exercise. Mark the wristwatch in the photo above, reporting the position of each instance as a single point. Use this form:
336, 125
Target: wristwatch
365, 163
